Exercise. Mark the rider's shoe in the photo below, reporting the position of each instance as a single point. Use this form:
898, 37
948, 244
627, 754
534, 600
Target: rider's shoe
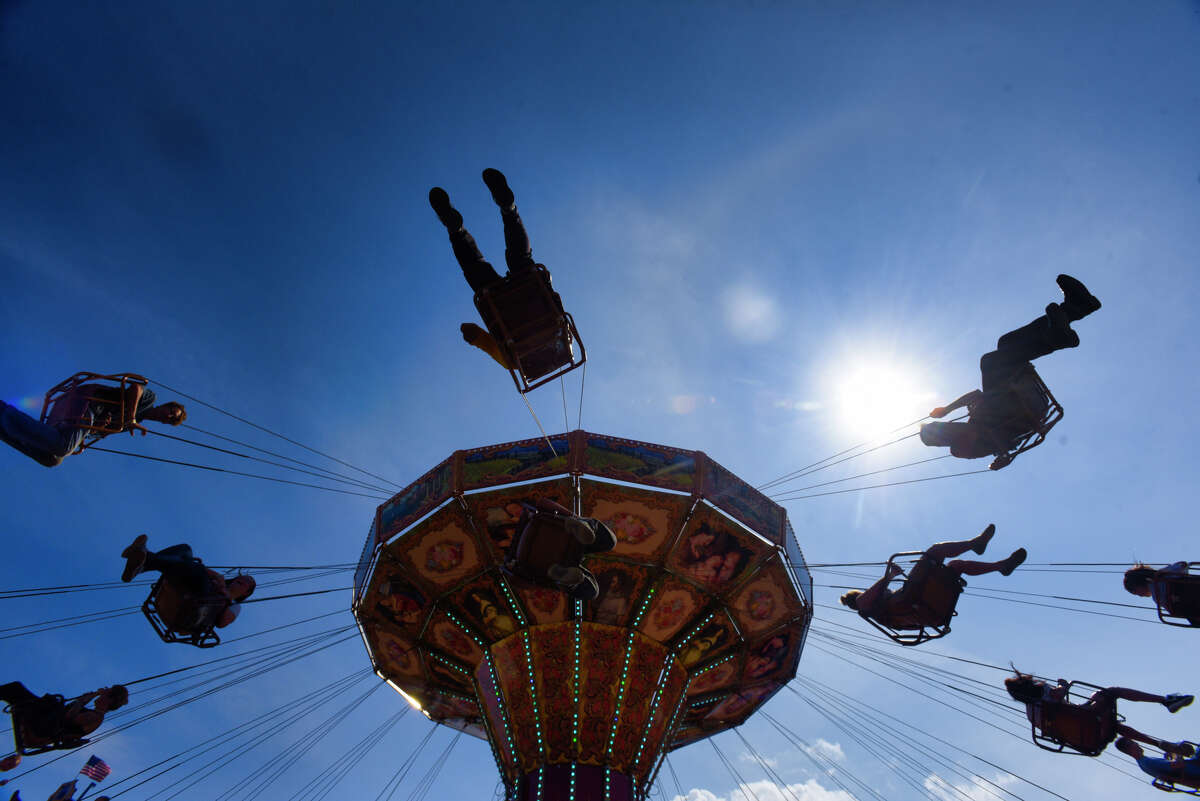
1077, 301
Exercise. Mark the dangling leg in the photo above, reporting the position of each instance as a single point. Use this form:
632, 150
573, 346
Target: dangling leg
177, 565
517, 252
16, 693
1172, 701
1004, 567
946, 550
478, 272
1128, 734
45, 444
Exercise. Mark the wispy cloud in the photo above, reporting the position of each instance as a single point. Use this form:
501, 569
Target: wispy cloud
824, 748
810, 790
978, 790
745, 756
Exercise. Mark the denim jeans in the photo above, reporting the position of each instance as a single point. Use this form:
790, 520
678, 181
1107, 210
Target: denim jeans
44, 443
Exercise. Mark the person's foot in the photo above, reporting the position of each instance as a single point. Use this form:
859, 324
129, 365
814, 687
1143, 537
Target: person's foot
1014, 560
135, 558
568, 576
604, 534
1061, 334
1176, 702
580, 530
588, 589
1077, 301
499, 187
440, 201
981, 542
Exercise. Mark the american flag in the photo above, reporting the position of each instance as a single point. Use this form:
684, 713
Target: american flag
96, 769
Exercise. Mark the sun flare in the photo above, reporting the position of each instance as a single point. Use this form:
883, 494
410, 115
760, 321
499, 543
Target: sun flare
873, 397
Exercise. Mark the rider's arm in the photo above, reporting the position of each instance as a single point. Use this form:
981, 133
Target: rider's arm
77, 705
965, 400
86, 720
874, 594
474, 335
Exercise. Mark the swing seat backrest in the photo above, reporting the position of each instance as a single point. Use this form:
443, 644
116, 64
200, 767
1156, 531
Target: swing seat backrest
69, 401
544, 541
1081, 728
925, 605
38, 726
180, 616
1036, 412
526, 318
939, 595
1181, 606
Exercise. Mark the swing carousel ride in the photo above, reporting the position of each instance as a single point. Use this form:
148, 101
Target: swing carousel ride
702, 615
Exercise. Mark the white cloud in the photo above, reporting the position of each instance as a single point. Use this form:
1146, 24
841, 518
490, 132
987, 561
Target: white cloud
751, 315
748, 757
939, 789
824, 748
810, 790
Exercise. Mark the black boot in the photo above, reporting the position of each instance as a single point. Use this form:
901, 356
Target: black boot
499, 187
1077, 301
440, 201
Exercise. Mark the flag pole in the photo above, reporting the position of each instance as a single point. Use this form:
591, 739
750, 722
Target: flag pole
85, 791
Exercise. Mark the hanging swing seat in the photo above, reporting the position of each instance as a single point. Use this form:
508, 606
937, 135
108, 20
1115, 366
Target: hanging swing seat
1075, 728
526, 318
547, 540
1039, 412
1180, 604
95, 403
1179, 784
181, 616
38, 726
924, 606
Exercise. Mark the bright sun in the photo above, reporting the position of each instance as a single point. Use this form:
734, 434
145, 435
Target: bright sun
875, 397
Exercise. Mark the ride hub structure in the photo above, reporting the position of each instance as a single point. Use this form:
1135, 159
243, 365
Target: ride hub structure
703, 609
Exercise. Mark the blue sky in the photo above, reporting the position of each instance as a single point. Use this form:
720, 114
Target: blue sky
746, 207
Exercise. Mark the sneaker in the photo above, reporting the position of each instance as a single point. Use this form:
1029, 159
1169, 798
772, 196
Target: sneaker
580, 530
568, 576
499, 186
586, 590
606, 538
1176, 702
135, 558
1015, 560
440, 201
981, 542
1078, 302
1061, 334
